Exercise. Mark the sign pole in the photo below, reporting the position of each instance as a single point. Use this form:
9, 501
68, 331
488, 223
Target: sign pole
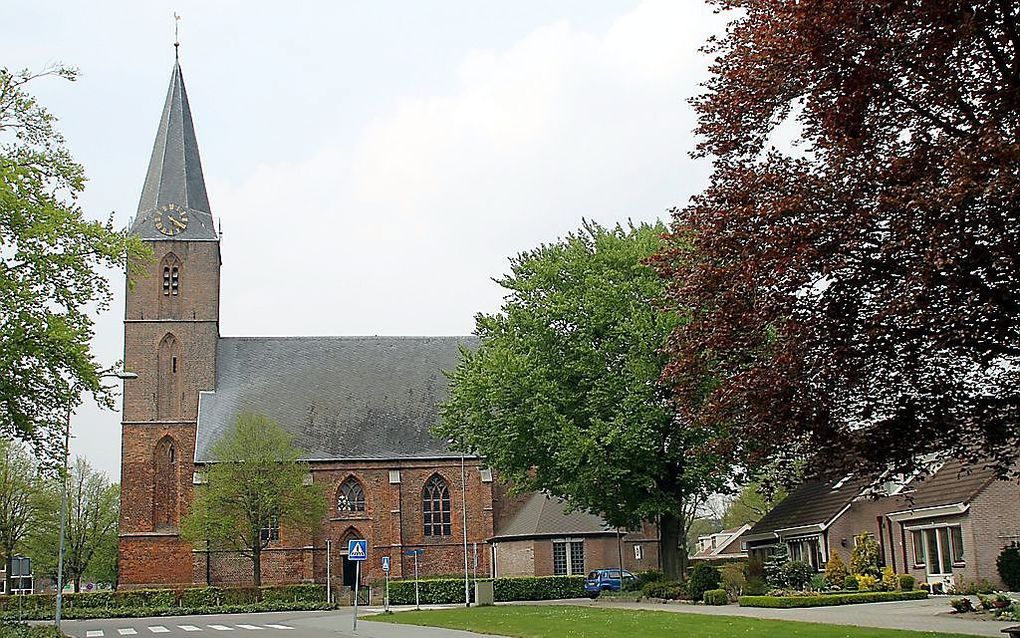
386, 596
329, 572
357, 577
417, 601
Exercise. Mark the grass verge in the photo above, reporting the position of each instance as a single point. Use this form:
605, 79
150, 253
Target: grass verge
540, 621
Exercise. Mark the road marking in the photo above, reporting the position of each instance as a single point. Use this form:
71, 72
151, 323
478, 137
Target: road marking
94, 633
189, 628
127, 631
250, 627
222, 628
159, 629
279, 626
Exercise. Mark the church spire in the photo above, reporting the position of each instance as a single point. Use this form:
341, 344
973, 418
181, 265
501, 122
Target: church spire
174, 180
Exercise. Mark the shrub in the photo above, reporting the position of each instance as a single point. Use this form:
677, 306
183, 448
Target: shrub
642, 579
716, 597
907, 582
24, 630
835, 570
961, 605
851, 583
985, 601
733, 579
703, 577
306, 592
866, 582
817, 583
889, 580
666, 589
773, 567
444, 591
864, 557
796, 574
1008, 564
825, 600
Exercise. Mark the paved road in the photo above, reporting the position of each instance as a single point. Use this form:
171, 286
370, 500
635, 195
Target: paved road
920, 615
270, 625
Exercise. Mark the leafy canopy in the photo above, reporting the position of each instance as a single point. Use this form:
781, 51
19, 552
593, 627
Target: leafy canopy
50, 261
255, 481
857, 294
563, 392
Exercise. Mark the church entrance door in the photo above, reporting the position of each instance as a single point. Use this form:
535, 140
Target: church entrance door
349, 572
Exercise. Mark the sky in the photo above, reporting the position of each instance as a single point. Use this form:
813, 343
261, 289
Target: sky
374, 165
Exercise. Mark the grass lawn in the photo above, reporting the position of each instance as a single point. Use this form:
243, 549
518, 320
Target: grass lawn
555, 621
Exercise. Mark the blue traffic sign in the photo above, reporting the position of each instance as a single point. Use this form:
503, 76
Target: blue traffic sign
357, 549
386, 563
414, 552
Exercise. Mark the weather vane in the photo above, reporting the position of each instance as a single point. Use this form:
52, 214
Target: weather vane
177, 39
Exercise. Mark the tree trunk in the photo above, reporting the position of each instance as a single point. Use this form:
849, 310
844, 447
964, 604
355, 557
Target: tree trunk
672, 547
77, 584
8, 566
256, 562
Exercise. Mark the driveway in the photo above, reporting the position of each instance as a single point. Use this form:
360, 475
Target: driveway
920, 615
270, 625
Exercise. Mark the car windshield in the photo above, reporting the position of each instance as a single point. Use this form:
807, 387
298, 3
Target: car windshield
593, 576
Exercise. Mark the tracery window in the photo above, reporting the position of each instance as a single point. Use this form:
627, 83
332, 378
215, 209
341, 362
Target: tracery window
164, 485
435, 505
350, 497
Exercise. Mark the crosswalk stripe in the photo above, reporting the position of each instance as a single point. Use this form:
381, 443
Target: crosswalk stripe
94, 633
189, 628
127, 631
250, 627
279, 626
222, 628
159, 629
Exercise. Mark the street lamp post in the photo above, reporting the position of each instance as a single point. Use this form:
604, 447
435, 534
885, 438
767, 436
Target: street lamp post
63, 498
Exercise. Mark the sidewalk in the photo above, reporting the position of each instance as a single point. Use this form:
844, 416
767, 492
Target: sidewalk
918, 615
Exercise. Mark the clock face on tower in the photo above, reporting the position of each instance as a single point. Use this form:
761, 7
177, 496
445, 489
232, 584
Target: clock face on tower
171, 219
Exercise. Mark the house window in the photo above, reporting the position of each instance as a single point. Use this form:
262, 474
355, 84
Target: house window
394, 477
807, 550
568, 557
939, 548
271, 532
637, 552
435, 505
486, 475
350, 497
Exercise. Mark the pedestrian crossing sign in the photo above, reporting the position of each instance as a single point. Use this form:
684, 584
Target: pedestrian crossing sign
357, 549
386, 563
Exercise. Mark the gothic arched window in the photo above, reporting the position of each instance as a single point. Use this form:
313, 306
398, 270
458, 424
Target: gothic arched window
435, 506
350, 497
164, 484
171, 267
168, 373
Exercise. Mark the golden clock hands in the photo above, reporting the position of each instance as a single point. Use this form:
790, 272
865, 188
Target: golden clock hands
178, 223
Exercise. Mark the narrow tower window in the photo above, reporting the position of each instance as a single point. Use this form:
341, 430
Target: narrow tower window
175, 280
166, 280
164, 485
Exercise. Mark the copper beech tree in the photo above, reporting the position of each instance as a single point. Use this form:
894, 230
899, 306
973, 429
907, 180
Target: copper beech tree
857, 292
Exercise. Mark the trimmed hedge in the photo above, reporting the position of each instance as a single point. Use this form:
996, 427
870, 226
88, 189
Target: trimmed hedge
445, 591
716, 597
825, 600
91, 613
24, 630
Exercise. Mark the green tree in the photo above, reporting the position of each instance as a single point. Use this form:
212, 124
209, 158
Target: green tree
22, 506
864, 557
93, 507
254, 487
49, 272
563, 392
750, 505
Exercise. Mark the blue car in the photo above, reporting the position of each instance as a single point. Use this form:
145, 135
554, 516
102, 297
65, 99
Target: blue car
602, 580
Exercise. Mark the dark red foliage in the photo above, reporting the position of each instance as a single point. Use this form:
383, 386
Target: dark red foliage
857, 294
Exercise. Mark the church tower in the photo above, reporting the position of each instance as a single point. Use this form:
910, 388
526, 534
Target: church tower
171, 328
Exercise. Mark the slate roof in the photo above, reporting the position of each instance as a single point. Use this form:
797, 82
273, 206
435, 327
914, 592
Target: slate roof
816, 503
175, 170
544, 516
341, 397
950, 485
813, 503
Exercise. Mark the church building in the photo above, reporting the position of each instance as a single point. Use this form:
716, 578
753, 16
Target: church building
359, 408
